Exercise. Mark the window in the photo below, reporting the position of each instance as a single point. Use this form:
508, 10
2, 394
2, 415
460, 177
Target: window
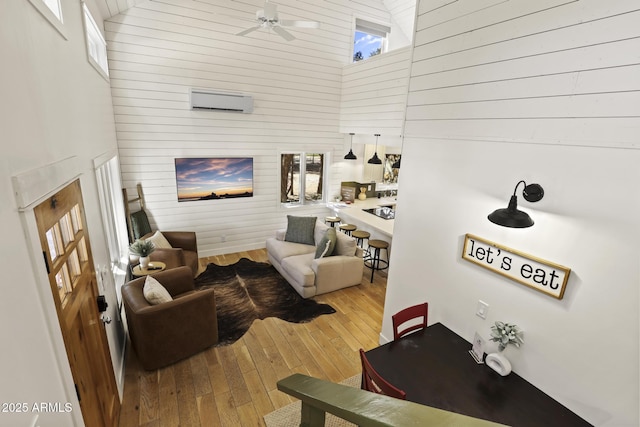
52, 11
54, 6
113, 217
370, 39
96, 46
302, 178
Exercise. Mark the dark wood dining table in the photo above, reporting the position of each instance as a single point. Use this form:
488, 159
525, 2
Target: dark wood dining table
434, 367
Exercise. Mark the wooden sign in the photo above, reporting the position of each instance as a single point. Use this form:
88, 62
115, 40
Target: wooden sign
536, 273
348, 193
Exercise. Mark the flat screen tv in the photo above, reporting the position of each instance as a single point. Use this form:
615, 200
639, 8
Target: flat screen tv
214, 178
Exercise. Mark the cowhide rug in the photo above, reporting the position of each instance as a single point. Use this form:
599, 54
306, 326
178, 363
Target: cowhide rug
249, 290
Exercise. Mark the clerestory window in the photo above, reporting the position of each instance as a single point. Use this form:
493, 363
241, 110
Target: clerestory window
369, 39
52, 11
96, 45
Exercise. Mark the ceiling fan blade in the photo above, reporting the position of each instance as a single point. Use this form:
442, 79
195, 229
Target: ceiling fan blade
248, 30
299, 24
283, 33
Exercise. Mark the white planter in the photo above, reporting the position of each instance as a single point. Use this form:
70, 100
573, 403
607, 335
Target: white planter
499, 363
144, 261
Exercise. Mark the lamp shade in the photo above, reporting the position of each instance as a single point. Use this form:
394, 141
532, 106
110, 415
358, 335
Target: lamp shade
375, 160
350, 155
511, 216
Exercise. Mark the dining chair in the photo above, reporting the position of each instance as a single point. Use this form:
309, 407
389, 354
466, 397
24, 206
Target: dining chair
372, 381
407, 314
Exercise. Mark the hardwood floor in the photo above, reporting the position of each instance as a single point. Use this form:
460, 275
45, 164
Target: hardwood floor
235, 385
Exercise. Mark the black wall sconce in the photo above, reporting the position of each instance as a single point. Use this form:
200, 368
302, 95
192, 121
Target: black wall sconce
350, 155
375, 160
511, 216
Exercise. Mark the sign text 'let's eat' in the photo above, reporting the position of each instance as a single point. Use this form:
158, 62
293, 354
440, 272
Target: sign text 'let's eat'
534, 272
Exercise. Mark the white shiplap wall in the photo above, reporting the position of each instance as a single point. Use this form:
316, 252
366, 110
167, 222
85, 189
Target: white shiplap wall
374, 94
533, 71
546, 91
159, 49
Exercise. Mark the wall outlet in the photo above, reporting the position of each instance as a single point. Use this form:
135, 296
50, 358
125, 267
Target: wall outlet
223, 238
482, 309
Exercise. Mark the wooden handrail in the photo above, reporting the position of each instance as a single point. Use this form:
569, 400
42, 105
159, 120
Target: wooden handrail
365, 408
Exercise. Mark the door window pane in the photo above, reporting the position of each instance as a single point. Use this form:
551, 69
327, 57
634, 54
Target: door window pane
82, 251
54, 241
75, 219
63, 283
66, 230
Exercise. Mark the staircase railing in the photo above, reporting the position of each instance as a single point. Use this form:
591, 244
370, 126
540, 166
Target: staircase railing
365, 408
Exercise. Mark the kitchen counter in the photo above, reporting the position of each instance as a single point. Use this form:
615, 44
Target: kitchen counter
379, 228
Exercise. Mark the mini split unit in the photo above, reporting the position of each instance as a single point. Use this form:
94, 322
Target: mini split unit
220, 101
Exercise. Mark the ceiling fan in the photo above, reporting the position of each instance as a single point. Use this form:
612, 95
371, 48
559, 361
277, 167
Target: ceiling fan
268, 18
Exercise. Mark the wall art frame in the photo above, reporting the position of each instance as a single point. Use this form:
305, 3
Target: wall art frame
544, 276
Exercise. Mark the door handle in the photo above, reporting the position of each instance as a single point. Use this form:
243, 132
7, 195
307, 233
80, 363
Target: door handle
105, 319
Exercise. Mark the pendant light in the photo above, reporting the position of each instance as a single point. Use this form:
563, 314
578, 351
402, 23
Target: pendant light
511, 216
350, 155
375, 160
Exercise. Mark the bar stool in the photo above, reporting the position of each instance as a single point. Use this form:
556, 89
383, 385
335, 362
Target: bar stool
347, 228
361, 236
374, 260
332, 220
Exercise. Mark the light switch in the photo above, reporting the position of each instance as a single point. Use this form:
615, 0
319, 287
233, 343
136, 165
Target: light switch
482, 309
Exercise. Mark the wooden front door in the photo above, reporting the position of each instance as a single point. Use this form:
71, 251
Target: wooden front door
67, 253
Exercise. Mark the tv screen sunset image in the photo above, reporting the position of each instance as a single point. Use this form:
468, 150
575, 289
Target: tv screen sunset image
214, 178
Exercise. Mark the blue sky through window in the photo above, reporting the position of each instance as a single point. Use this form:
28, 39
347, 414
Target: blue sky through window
366, 43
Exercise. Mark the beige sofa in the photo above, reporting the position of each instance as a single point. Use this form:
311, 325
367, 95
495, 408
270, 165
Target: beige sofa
309, 276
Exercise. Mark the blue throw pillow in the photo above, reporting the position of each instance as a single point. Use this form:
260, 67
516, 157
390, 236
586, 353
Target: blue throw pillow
300, 229
327, 243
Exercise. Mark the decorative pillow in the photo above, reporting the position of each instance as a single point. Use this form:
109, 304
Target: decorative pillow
300, 229
327, 243
140, 224
159, 241
345, 245
154, 292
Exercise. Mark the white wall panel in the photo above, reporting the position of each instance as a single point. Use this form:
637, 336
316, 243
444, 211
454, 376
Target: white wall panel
374, 94
545, 91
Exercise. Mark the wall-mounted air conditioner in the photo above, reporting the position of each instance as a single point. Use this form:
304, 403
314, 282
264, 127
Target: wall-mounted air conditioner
220, 101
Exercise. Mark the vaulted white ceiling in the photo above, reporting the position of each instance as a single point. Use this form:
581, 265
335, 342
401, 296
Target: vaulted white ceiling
401, 11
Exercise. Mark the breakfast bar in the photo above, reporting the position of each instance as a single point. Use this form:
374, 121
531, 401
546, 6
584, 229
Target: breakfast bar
375, 215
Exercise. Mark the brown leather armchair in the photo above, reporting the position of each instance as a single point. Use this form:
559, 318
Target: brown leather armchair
166, 333
184, 250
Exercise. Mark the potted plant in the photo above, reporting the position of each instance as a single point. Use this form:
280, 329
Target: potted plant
142, 249
504, 334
